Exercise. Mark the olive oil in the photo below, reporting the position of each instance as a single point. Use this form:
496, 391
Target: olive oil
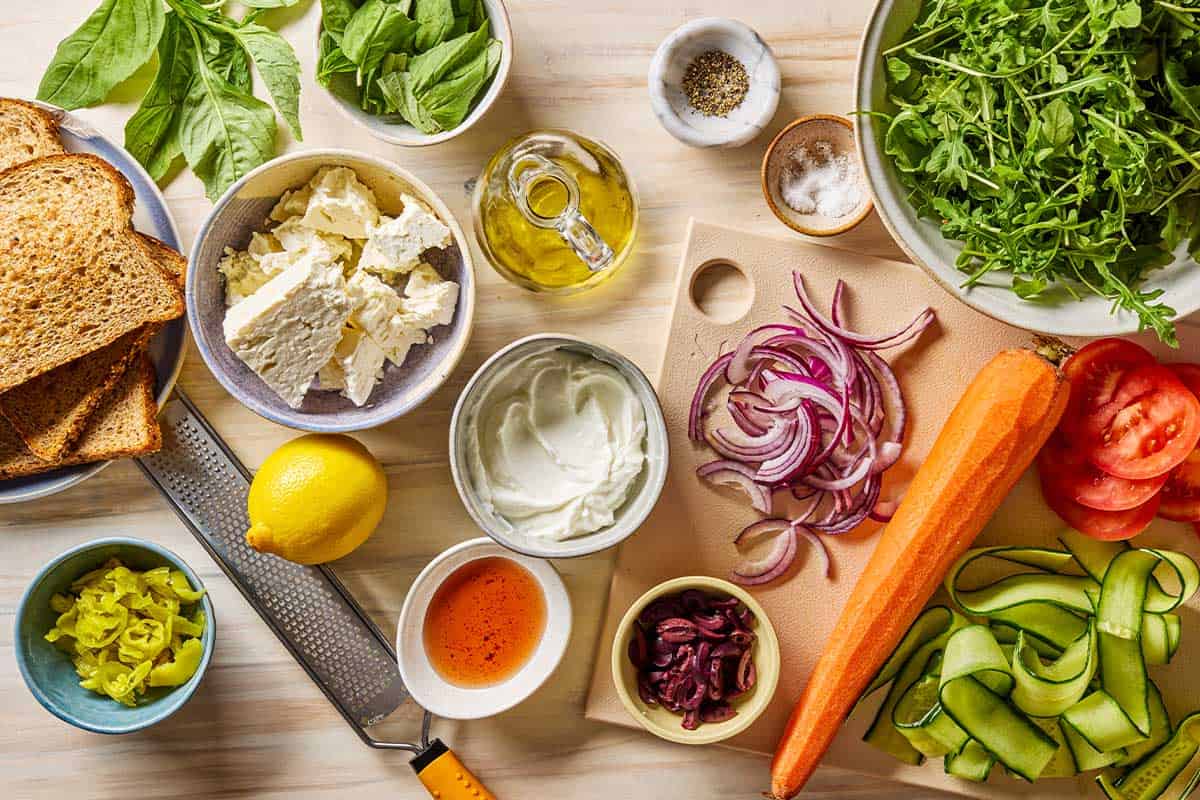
542, 203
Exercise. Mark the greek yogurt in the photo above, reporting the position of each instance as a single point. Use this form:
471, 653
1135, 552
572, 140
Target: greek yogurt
556, 444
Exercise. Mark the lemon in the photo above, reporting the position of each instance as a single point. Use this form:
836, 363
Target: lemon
316, 499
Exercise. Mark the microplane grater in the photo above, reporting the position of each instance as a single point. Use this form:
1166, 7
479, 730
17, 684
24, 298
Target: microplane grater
308, 608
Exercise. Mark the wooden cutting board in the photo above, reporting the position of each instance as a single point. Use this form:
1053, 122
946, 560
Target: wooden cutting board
691, 529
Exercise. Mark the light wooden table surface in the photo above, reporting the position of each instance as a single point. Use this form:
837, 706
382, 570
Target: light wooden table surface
258, 727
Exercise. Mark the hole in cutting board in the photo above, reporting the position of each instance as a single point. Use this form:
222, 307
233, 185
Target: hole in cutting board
722, 292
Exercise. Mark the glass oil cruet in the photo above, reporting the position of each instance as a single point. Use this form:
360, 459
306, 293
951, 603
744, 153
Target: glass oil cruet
555, 212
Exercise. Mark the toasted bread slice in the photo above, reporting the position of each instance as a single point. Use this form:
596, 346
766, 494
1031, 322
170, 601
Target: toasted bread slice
50, 412
26, 132
166, 257
74, 276
124, 425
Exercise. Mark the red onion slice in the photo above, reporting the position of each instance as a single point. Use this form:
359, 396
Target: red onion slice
817, 413
733, 473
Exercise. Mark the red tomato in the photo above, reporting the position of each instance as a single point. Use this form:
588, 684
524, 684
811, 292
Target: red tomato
1104, 525
1066, 467
1181, 493
1149, 426
1189, 374
1094, 373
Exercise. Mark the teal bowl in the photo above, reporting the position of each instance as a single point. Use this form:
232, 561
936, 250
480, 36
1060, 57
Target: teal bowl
48, 671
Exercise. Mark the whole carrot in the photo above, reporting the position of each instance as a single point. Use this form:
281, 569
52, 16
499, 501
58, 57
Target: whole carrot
992, 436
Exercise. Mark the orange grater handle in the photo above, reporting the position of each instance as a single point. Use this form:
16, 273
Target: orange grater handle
445, 776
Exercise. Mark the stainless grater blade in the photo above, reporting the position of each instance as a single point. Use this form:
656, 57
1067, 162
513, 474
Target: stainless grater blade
308, 608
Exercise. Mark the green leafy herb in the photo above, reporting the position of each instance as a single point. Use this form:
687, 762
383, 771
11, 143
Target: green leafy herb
427, 61
1058, 140
200, 104
224, 131
152, 133
107, 48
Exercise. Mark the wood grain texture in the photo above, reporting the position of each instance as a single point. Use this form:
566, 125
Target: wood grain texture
258, 728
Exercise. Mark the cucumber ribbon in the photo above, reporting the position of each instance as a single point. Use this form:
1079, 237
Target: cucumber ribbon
1044, 670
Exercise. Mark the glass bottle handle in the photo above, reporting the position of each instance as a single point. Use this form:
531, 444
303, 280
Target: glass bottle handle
570, 223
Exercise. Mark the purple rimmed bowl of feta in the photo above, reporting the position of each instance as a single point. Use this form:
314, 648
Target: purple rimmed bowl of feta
330, 291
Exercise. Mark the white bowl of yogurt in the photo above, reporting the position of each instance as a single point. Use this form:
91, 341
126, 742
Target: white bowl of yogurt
558, 447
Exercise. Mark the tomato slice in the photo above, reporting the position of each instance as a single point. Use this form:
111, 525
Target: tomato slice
1067, 468
1148, 427
1109, 526
1181, 493
1189, 374
1094, 373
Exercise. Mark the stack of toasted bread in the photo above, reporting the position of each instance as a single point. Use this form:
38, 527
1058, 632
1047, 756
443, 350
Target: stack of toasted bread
81, 296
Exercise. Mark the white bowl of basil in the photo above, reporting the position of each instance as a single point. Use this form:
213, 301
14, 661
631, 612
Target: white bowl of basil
414, 72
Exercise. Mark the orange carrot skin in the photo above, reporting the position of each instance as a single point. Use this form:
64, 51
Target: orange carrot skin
991, 437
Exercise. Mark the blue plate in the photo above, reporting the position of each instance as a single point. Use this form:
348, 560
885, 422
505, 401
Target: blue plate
150, 215
48, 671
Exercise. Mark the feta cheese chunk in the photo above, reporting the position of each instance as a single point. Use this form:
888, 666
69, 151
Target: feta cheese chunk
375, 308
428, 300
291, 326
243, 276
294, 236
396, 245
293, 203
356, 366
341, 204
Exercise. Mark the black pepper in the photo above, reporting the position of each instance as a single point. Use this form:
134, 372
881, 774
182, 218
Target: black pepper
715, 83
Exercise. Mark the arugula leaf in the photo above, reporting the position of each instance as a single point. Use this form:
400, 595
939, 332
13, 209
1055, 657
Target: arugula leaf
224, 131
152, 133
1058, 140
376, 29
278, 66
107, 48
1058, 125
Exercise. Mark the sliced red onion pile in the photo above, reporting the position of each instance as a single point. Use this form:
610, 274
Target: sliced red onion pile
816, 417
694, 653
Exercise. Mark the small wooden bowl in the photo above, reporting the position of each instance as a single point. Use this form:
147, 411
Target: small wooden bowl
839, 132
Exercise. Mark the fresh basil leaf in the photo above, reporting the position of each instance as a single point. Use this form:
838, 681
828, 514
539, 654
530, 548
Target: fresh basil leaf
432, 66
152, 133
268, 3
376, 29
331, 60
224, 131
107, 48
436, 18
449, 102
279, 68
397, 87
335, 14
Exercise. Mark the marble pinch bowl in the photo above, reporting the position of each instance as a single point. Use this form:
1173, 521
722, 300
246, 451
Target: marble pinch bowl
48, 671
643, 494
666, 78
839, 132
394, 130
242, 210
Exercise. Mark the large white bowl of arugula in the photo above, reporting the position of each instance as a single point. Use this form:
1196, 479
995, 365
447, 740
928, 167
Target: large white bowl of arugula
1041, 160
414, 72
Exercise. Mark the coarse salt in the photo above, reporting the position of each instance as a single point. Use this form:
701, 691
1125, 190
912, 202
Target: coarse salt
818, 181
